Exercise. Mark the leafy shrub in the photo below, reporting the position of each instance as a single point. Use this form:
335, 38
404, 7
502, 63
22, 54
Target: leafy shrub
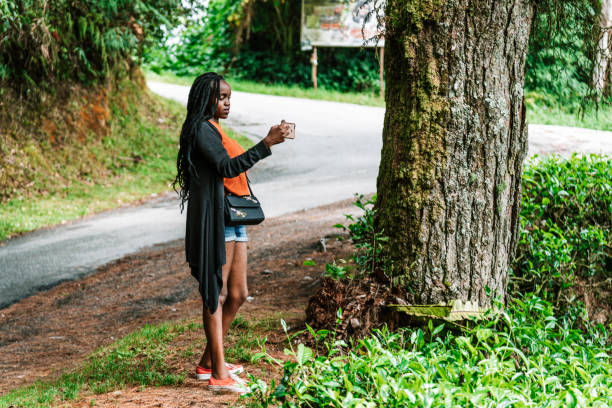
368, 242
346, 69
562, 47
205, 44
259, 41
523, 356
42, 42
566, 219
336, 271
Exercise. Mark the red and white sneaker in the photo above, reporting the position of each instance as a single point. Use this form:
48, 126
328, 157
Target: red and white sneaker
204, 373
232, 384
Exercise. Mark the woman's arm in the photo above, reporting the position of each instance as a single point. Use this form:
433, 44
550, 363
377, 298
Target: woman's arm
209, 144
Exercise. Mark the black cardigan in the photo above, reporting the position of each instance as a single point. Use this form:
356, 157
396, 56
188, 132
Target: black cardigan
205, 229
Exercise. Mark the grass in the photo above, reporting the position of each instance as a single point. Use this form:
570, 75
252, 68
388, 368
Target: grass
142, 358
138, 358
246, 337
538, 111
280, 90
541, 112
135, 161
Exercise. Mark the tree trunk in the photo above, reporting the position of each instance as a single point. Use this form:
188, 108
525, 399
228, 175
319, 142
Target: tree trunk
601, 71
454, 141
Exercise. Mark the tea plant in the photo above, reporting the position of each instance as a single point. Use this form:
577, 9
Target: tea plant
523, 356
566, 219
540, 350
367, 240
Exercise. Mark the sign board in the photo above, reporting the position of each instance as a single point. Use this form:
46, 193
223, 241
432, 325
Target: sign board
329, 23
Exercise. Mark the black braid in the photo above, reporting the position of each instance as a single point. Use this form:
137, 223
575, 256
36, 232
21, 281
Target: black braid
201, 105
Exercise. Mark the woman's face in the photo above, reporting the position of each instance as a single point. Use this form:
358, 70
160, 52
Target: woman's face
223, 105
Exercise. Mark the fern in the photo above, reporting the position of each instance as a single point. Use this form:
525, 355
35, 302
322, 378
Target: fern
44, 42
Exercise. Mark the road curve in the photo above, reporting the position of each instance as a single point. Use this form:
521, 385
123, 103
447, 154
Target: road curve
335, 154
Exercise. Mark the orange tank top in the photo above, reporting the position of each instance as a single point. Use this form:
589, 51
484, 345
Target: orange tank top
236, 185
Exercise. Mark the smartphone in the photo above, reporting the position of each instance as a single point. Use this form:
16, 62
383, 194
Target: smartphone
291, 127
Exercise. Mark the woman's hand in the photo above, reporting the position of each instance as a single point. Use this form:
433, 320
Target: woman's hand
276, 135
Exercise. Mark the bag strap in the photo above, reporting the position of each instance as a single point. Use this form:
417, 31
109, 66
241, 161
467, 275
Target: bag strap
249, 184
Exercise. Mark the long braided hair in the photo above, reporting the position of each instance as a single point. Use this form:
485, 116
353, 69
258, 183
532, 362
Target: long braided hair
201, 105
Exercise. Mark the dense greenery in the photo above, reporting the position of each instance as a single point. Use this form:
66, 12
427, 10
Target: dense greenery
237, 37
44, 42
524, 356
562, 46
566, 227
529, 353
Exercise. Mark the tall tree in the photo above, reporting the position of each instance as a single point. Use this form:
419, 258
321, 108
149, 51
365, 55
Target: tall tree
454, 140
602, 61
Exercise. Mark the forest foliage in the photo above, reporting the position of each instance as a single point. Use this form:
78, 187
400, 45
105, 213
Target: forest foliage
565, 246
236, 36
44, 43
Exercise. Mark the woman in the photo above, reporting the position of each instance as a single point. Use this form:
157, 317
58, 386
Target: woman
217, 255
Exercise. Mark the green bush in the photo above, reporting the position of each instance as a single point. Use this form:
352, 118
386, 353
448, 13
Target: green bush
259, 41
43, 42
566, 220
341, 69
269, 53
205, 44
368, 242
562, 48
523, 356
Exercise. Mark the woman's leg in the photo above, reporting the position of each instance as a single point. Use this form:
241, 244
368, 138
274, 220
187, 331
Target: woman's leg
236, 286
213, 327
235, 291
215, 321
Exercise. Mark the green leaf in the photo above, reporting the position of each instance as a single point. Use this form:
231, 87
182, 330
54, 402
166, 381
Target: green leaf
304, 354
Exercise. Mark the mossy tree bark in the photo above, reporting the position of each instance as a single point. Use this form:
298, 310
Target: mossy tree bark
454, 140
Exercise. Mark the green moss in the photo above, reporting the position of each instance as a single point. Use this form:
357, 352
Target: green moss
501, 187
419, 11
416, 142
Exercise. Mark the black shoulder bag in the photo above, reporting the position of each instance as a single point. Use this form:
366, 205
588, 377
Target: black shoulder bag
242, 210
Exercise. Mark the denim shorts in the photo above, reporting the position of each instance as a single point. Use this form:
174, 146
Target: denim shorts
236, 233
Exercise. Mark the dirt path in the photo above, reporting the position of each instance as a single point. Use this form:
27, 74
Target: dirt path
55, 330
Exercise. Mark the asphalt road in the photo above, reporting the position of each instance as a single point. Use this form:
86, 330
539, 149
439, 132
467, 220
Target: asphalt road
335, 154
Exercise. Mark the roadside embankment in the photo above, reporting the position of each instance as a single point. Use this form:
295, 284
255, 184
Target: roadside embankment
83, 150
